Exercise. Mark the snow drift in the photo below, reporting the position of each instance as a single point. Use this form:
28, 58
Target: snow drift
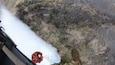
26, 40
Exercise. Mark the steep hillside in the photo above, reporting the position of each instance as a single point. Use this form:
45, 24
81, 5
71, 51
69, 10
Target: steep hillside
70, 25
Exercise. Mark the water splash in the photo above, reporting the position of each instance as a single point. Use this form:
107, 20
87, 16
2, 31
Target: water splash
26, 40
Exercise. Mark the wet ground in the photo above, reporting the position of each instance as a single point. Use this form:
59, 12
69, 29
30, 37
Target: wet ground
107, 32
105, 6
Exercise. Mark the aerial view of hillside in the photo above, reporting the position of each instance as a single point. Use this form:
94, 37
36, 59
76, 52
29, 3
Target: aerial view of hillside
83, 31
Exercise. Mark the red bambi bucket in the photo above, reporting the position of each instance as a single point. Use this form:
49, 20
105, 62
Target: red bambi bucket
37, 57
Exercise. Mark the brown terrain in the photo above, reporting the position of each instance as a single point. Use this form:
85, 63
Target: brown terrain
83, 31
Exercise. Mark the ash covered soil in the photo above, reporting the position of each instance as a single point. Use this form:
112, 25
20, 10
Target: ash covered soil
70, 25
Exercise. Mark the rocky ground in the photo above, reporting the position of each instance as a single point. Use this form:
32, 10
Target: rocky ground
70, 25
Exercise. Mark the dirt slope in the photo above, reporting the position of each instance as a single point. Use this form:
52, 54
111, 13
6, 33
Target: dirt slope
67, 25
